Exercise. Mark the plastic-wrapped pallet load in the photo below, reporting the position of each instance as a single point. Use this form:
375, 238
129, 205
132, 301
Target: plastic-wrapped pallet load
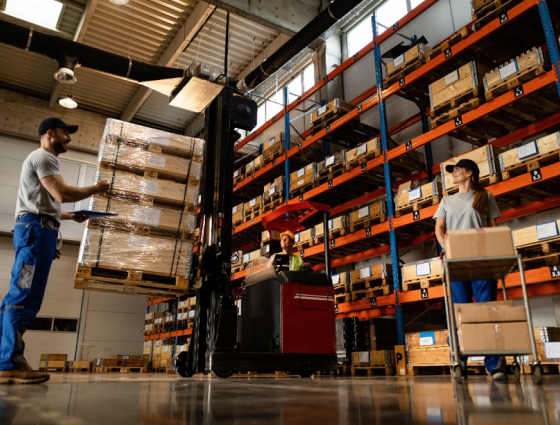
148, 248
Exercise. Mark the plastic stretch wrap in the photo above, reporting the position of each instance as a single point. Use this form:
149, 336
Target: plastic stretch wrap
110, 249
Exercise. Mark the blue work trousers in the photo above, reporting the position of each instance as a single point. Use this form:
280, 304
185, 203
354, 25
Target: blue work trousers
35, 247
483, 291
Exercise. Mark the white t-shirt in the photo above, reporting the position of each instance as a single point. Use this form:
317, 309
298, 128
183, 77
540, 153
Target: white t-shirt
459, 214
32, 195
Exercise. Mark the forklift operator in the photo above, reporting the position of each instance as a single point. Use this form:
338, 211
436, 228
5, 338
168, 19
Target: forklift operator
287, 240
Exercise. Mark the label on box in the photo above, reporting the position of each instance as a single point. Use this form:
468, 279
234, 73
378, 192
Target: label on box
329, 161
191, 314
552, 350
509, 69
427, 338
235, 173
181, 348
452, 77
301, 172
415, 194
398, 61
335, 279
331, 224
157, 343
300, 182
159, 140
321, 110
297, 237
251, 164
272, 191
148, 186
246, 258
156, 161
527, 150
253, 202
166, 348
423, 269
365, 273
143, 215
267, 249
547, 230
360, 150
126, 357
234, 210
146, 344
363, 212
363, 357
271, 141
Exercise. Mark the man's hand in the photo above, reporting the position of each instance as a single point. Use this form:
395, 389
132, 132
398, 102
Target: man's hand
102, 186
306, 266
78, 218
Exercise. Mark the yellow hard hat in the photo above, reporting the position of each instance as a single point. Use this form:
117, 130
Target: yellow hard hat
288, 233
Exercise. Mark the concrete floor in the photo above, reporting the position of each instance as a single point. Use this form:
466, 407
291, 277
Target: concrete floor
80, 398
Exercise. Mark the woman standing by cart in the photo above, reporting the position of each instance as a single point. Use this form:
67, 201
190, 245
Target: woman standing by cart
472, 207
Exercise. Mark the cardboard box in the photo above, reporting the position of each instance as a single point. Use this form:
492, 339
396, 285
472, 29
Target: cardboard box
254, 165
303, 176
473, 243
489, 312
238, 213
418, 51
379, 271
494, 336
267, 236
251, 256
427, 339
409, 197
426, 269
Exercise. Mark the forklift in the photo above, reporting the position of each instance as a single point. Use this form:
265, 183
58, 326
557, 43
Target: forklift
279, 320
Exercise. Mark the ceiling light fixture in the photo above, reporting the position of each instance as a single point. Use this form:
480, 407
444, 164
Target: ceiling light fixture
119, 2
65, 76
68, 102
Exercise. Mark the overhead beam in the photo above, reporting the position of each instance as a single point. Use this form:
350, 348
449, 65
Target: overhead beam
84, 20
200, 14
286, 17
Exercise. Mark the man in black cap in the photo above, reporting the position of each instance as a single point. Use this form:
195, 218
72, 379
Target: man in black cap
41, 192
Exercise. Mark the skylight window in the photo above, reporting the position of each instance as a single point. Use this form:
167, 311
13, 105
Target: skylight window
39, 12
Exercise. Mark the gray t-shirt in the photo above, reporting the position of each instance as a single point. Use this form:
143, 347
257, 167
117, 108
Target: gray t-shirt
458, 212
32, 195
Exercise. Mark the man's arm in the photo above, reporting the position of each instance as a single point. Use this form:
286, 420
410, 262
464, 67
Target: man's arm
65, 193
78, 218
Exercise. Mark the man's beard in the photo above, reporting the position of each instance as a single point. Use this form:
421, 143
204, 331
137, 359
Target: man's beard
58, 147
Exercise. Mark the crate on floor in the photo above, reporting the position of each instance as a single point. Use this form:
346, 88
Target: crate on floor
370, 362
363, 153
530, 156
304, 239
404, 64
418, 198
485, 11
486, 157
79, 366
427, 350
331, 167
449, 42
303, 180
53, 362
514, 73
422, 274
338, 226
368, 215
539, 245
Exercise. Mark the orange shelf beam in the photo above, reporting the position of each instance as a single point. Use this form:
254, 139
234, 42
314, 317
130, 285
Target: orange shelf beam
172, 334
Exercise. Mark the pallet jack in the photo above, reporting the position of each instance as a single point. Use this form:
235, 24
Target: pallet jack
283, 320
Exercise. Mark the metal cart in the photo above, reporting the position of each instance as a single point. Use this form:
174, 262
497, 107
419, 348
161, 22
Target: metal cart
485, 268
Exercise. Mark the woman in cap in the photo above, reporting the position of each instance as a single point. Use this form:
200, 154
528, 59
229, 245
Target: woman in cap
473, 207
287, 241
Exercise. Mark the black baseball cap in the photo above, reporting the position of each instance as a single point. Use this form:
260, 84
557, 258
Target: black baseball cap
54, 123
464, 163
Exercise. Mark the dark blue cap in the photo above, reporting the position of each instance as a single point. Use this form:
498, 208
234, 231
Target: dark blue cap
53, 123
465, 163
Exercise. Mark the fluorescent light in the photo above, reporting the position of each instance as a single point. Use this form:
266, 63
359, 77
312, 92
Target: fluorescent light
119, 2
68, 102
40, 12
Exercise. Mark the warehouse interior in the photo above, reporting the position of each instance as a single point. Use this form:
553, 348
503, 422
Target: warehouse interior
339, 121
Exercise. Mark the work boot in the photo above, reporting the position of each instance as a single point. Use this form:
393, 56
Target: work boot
23, 375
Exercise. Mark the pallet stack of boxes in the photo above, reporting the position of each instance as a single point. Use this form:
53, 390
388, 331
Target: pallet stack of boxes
155, 178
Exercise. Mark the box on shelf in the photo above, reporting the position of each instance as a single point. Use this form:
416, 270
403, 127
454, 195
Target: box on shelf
273, 141
333, 108
273, 188
251, 256
429, 193
323, 167
486, 157
269, 235
374, 357
53, 361
337, 225
305, 236
529, 156
253, 204
254, 165
238, 213
236, 260
536, 234
374, 211
362, 153
341, 278
474, 243
238, 175
421, 271
418, 51
379, 271
303, 177
427, 349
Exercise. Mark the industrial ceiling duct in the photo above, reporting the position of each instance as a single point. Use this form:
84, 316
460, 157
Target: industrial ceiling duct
313, 30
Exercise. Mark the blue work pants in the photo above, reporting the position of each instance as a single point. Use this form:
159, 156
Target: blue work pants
35, 247
483, 291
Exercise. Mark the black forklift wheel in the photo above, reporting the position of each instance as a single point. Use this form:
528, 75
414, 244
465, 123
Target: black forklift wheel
180, 365
516, 371
537, 374
222, 373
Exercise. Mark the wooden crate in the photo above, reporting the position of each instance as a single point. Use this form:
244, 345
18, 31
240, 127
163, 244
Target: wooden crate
536, 235
449, 42
371, 277
251, 256
56, 362
338, 226
486, 157
276, 146
373, 213
426, 349
409, 61
539, 245
304, 239
80, 366
278, 183
530, 156
269, 235
516, 72
489, 10
363, 153
238, 175
341, 278
334, 109
253, 207
253, 166
424, 274
369, 361
332, 166
238, 214
303, 179
416, 199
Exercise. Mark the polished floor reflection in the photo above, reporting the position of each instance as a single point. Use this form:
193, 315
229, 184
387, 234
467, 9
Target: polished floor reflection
75, 399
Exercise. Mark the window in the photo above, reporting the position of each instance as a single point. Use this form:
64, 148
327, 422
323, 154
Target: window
389, 13
414, 3
359, 36
41, 12
49, 324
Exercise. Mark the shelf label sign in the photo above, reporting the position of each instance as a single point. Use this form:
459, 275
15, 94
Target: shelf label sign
448, 53
509, 69
415, 194
398, 61
336, 308
335, 279
518, 91
555, 272
527, 150
416, 215
424, 293
374, 302
402, 82
329, 161
301, 172
333, 243
234, 209
365, 273
547, 230
452, 77
362, 149
408, 145
504, 18
363, 212
423, 269
427, 338
536, 175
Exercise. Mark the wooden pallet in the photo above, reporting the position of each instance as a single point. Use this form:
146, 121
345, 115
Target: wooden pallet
449, 42
240, 177
144, 230
253, 213
422, 283
490, 11
120, 370
345, 297
362, 159
370, 283
335, 171
372, 292
456, 112
546, 252
327, 121
418, 205
341, 288
371, 370
273, 201
238, 222
298, 246
456, 102
131, 277
443, 369
333, 234
402, 72
253, 170
78, 369
294, 193
237, 268
367, 222
530, 164
514, 80
270, 155
344, 370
